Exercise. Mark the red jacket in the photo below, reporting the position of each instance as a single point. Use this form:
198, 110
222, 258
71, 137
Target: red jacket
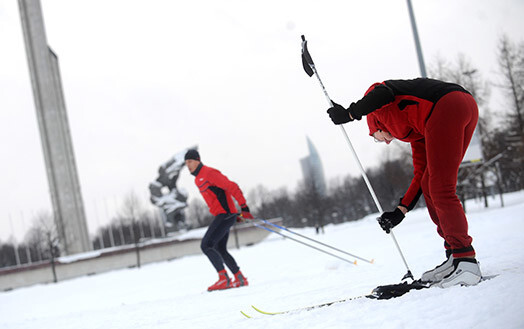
402, 108
218, 190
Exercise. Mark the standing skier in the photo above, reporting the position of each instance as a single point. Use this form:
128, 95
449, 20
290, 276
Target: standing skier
438, 119
218, 191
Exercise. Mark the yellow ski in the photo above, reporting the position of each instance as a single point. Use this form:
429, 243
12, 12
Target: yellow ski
264, 312
246, 315
309, 308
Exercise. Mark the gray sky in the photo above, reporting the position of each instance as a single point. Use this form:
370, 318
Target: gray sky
144, 79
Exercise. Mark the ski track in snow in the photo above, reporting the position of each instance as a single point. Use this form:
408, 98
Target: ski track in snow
285, 275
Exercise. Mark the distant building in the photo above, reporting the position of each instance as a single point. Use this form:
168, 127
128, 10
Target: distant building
312, 169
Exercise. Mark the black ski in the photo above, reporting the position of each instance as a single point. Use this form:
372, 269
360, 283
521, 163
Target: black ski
396, 290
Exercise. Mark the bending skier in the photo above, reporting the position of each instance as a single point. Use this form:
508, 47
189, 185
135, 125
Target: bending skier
218, 191
438, 119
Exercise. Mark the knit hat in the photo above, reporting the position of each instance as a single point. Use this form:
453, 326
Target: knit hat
192, 155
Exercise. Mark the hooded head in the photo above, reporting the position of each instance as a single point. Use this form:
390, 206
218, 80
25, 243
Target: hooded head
373, 124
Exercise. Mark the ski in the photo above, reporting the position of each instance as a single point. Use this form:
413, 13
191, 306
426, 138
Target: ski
380, 293
245, 314
307, 308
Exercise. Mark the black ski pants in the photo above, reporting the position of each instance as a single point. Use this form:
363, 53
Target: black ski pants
214, 242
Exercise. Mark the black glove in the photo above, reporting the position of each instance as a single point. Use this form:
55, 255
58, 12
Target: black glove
338, 114
390, 219
246, 214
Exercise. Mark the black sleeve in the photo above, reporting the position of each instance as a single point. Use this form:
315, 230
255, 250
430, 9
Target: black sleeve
375, 99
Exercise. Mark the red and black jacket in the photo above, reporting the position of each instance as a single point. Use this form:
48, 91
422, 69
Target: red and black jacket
402, 108
218, 190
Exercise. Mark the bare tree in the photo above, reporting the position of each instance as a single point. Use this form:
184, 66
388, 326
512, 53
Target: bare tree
198, 213
511, 64
276, 203
465, 74
130, 214
8, 254
311, 204
43, 235
258, 196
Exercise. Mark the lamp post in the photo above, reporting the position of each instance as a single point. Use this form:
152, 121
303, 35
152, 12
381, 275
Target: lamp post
417, 41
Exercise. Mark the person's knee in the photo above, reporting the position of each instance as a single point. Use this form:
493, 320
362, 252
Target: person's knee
222, 249
443, 192
206, 245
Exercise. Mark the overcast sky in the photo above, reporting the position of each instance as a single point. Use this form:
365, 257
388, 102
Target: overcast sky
145, 79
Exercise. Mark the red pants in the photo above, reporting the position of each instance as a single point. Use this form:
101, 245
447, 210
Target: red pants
448, 133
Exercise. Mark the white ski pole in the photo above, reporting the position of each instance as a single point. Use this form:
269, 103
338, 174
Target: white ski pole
309, 67
313, 240
304, 243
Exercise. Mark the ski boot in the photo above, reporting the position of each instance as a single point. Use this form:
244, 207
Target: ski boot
240, 280
466, 272
224, 282
439, 272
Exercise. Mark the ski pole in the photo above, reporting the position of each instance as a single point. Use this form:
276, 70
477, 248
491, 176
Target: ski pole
309, 67
310, 239
306, 244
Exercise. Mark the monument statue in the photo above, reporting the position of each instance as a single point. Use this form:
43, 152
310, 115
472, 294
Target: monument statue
165, 194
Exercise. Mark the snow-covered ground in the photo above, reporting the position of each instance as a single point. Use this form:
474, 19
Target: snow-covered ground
285, 275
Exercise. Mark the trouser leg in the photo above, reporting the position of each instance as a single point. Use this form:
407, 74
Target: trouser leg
226, 256
432, 212
448, 133
217, 232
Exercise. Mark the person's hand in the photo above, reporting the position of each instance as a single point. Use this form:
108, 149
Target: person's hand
246, 214
339, 114
390, 219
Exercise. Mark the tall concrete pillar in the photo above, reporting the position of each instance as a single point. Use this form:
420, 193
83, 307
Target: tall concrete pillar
55, 136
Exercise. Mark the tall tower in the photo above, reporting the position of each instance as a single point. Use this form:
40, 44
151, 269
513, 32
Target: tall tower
55, 136
312, 169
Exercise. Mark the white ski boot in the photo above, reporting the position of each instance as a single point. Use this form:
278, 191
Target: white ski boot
466, 272
439, 272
